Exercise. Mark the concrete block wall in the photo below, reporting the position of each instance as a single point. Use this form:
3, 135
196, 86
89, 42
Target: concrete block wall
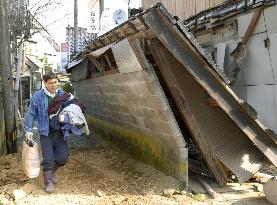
130, 110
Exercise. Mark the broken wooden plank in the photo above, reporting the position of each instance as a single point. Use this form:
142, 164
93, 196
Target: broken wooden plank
108, 61
96, 63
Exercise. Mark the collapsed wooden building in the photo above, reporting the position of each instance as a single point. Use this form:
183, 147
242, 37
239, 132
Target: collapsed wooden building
154, 92
249, 25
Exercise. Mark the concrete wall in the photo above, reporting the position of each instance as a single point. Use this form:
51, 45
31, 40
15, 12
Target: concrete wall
129, 109
125, 110
81, 142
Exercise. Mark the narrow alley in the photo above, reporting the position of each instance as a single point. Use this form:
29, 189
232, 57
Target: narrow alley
142, 102
103, 176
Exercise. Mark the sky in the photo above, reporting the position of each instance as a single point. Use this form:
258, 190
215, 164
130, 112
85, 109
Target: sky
56, 18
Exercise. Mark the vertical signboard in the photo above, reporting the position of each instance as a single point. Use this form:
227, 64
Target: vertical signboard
64, 54
94, 5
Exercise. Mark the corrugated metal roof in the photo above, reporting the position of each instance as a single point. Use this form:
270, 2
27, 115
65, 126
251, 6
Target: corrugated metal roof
224, 11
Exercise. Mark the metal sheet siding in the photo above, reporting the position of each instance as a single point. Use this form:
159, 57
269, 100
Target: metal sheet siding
270, 16
256, 67
273, 52
237, 153
183, 8
125, 57
244, 21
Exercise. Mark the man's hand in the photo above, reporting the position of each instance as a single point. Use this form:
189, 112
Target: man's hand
29, 136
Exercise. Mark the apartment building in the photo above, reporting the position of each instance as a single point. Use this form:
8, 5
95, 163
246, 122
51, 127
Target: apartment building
84, 37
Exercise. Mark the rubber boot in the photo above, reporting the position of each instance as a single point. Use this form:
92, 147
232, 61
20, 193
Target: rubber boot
48, 181
55, 178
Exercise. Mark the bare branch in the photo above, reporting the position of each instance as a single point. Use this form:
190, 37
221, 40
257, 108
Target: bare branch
24, 18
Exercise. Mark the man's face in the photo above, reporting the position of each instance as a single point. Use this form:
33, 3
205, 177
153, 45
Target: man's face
51, 85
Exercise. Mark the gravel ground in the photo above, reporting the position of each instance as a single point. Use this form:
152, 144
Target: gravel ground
102, 176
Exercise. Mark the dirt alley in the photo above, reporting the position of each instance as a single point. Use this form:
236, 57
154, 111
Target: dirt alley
104, 176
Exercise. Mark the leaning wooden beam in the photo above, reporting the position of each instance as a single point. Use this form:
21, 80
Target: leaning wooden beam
108, 61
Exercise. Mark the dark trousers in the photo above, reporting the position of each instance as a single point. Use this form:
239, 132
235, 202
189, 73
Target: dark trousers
54, 149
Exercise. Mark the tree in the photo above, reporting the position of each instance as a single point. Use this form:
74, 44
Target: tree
33, 12
46, 66
19, 21
6, 80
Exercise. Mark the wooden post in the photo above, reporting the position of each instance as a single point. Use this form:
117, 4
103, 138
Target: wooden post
7, 79
3, 148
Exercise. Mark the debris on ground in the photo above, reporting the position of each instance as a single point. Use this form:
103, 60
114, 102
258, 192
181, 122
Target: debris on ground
270, 190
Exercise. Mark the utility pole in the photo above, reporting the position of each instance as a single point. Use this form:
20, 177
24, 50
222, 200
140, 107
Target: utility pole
75, 26
7, 80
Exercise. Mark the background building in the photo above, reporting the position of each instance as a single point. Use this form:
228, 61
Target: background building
84, 37
254, 71
183, 8
105, 15
112, 14
41, 54
42, 49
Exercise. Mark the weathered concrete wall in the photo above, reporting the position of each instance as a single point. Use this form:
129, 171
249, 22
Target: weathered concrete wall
130, 111
81, 142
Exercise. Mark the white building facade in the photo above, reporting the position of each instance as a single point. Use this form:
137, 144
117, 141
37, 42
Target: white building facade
43, 46
111, 13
